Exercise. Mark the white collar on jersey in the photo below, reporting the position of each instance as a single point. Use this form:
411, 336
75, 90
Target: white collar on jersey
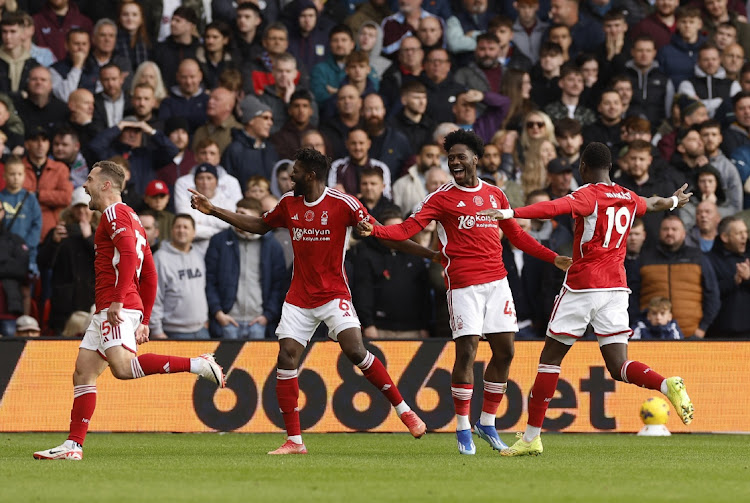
467, 189
325, 191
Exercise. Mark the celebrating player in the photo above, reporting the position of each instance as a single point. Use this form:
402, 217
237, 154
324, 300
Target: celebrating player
318, 219
479, 298
125, 292
595, 289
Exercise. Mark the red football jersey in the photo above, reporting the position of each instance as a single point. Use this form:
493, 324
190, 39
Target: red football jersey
119, 241
603, 214
320, 233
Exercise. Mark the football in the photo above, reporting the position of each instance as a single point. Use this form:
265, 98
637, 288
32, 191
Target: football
655, 410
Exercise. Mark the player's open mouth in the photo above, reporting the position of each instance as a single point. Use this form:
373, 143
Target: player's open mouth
458, 171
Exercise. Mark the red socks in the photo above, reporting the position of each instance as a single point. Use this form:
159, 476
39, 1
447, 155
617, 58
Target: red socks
641, 375
375, 372
149, 364
542, 392
493, 395
84, 402
287, 393
462, 397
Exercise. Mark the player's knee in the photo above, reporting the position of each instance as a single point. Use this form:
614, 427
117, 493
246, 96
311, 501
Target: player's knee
504, 357
121, 370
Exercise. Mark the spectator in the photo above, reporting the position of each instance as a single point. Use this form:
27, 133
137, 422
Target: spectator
148, 73
634, 245
180, 309
15, 60
43, 55
103, 42
691, 113
66, 148
559, 178
206, 182
348, 116
545, 76
658, 324
176, 130
587, 34
357, 68
710, 83
278, 92
256, 74
410, 189
730, 261
156, 200
77, 324
649, 82
371, 10
179, 45
27, 326
68, 251
281, 179
370, 40
615, 51
373, 192
206, 151
188, 98
145, 106
133, 42
660, 25
569, 137
678, 58
249, 154
570, 105
152, 231
346, 173
606, 129
146, 148
702, 234
391, 292
48, 178
112, 104
516, 85
326, 76
430, 33
467, 116
248, 20
245, 281
388, 145
560, 34
40, 108
442, 89
712, 138
75, 71
23, 216
14, 264
299, 112
129, 195
485, 72
708, 188
56, 19
724, 35
682, 274
258, 188
217, 53
715, 13
81, 120
314, 140
462, 29
404, 23
738, 133
412, 121
528, 30
221, 121
308, 41
408, 67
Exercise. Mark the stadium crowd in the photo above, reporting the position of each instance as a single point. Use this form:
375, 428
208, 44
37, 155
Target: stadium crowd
218, 95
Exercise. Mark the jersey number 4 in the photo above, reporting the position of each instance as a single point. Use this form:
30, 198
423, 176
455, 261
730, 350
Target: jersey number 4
618, 221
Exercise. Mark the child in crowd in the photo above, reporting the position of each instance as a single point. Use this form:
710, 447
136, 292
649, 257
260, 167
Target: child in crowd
658, 323
257, 188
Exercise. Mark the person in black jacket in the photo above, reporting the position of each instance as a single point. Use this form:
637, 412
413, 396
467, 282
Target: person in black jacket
731, 262
14, 262
179, 45
391, 292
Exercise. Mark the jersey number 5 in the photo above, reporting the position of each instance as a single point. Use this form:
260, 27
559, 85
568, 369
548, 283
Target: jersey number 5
619, 221
140, 245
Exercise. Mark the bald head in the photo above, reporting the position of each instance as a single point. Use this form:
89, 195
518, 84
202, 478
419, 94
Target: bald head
81, 104
189, 77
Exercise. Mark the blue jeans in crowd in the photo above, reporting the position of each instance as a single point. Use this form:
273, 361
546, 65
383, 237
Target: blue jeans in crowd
7, 327
200, 334
244, 331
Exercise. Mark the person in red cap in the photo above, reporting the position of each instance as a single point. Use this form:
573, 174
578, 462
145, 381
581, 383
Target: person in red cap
156, 198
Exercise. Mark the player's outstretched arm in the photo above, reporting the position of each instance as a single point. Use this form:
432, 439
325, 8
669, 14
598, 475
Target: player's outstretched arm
248, 223
543, 209
398, 232
408, 246
679, 199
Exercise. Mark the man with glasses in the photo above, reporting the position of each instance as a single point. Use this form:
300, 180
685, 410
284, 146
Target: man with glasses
441, 87
408, 68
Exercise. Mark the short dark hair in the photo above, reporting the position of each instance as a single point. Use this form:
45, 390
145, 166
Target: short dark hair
636, 124
371, 171
183, 216
567, 127
250, 204
13, 19
638, 222
708, 45
597, 156
640, 146
550, 49
76, 31
739, 96
569, 68
709, 124
614, 15
535, 193
300, 94
608, 90
644, 38
340, 28
488, 37
108, 66
390, 213
67, 130
250, 6
313, 161
726, 222
687, 11
498, 21
276, 26
413, 86
463, 137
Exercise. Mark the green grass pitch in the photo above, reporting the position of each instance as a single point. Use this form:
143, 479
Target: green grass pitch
376, 467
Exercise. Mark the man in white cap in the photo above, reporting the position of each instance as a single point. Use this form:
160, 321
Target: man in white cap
250, 154
27, 326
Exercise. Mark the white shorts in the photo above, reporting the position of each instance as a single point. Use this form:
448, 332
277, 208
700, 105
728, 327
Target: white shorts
482, 309
606, 310
300, 324
101, 335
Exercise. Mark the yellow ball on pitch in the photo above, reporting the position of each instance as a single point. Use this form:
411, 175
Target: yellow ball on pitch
655, 410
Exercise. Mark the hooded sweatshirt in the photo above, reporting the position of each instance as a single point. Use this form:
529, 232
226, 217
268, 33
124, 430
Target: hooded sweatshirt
378, 63
180, 304
15, 68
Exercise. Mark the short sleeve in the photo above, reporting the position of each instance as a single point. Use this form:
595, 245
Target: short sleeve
276, 217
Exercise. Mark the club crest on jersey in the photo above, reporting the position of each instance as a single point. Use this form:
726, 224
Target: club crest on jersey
492, 201
324, 218
478, 201
309, 215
